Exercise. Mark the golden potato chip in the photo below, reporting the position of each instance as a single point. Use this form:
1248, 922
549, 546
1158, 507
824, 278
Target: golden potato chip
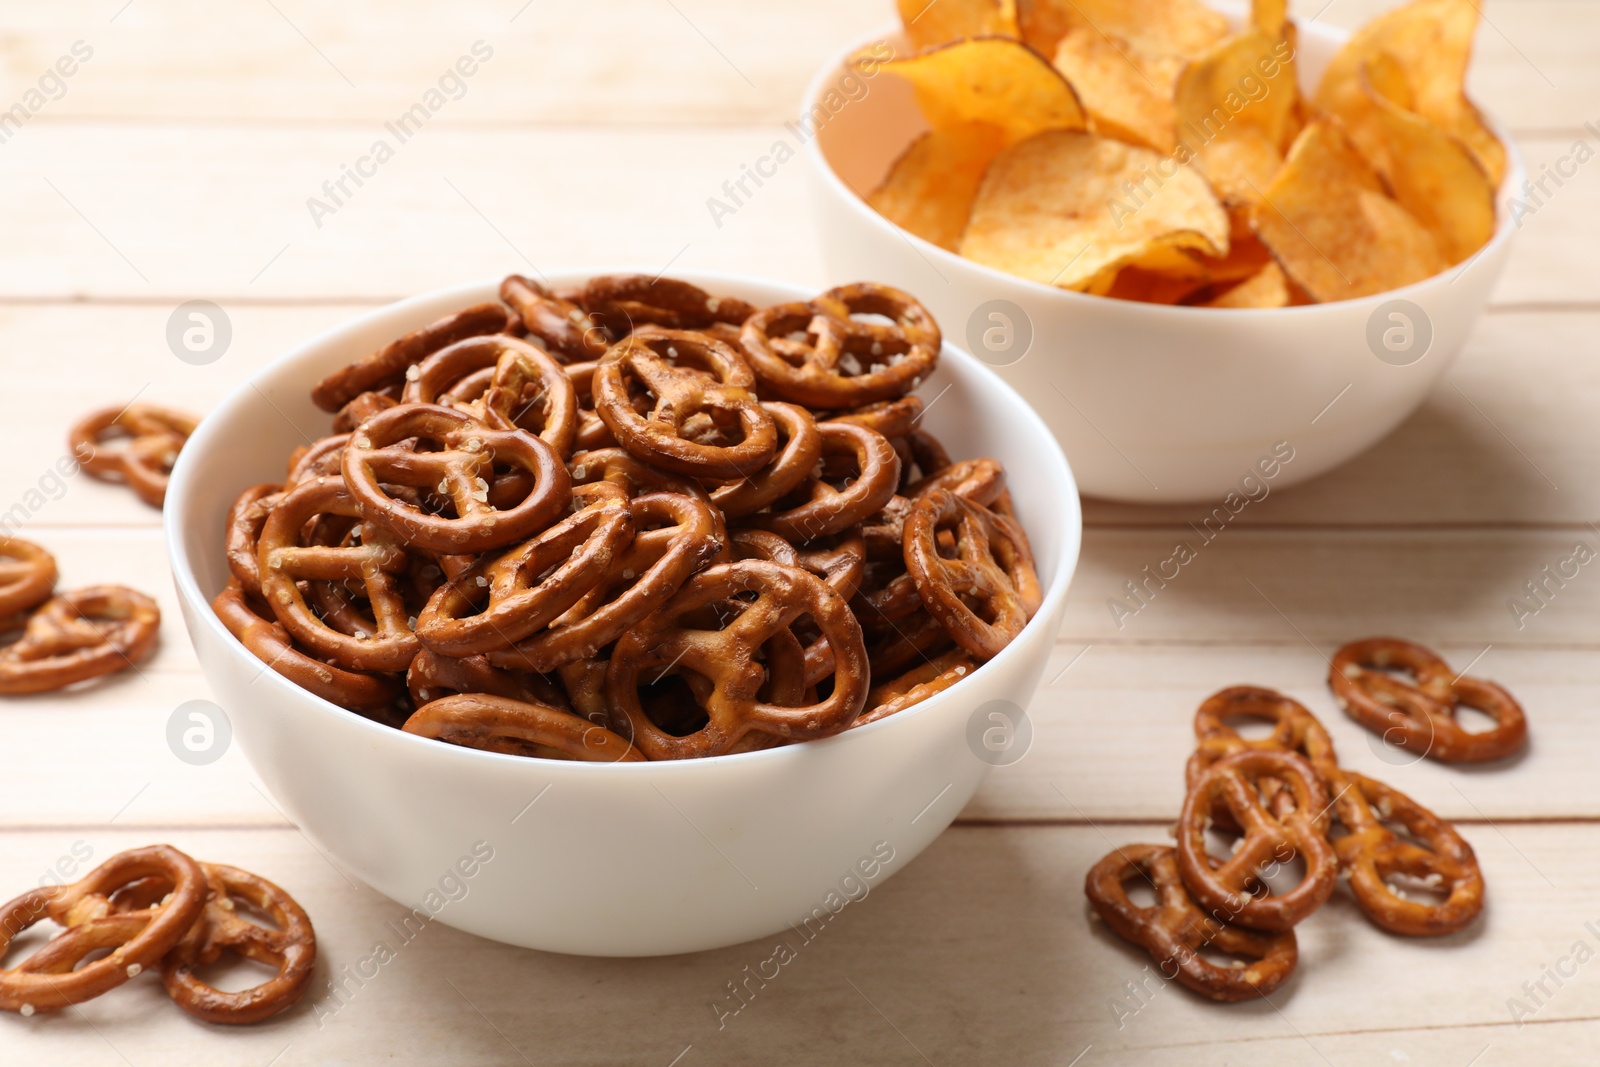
934, 22
1186, 29
1234, 107
1240, 165
1044, 22
1269, 17
1124, 94
1432, 41
930, 188
1148, 287
995, 80
1246, 257
1432, 175
1267, 288
1068, 208
1333, 229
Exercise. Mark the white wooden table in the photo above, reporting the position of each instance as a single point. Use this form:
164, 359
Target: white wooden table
177, 164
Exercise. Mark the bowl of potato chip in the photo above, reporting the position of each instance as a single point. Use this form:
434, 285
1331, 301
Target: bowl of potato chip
1199, 240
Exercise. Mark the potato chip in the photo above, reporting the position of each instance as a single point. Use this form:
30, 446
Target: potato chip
1148, 287
1044, 22
1240, 165
1125, 95
1432, 41
1234, 107
1433, 175
1333, 229
1002, 82
1246, 257
935, 22
1269, 17
1186, 29
1267, 288
930, 188
1068, 208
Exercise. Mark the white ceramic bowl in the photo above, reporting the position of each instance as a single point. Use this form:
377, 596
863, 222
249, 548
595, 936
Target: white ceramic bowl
1153, 404
606, 859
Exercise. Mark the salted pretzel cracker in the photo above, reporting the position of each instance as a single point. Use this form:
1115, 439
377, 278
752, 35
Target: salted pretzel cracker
992, 564
78, 635
27, 575
1175, 931
1294, 729
516, 728
892, 418
819, 354
269, 642
246, 518
703, 418
798, 454
433, 677
593, 433
978, 480
504, 598
323, 458
377, 563
673, 536
868, 470
519, 386
1432, 854
839, 564
1234, 885
387, 367
380, 455
573, 337
362, 408
136, 445
52, 978
723, 655
916, 685
289, 949
625, 303
1421, 717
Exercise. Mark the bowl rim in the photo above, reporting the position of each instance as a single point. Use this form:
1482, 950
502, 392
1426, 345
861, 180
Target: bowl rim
182, 489
1505, 226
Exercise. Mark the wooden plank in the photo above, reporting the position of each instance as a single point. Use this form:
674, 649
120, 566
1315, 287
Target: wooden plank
979, 952
691, 62
1112, 729
109, 210
633, 61
148, 214
1303, 588
1473, 454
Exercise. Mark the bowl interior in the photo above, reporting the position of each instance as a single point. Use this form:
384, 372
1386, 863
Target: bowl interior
247, 439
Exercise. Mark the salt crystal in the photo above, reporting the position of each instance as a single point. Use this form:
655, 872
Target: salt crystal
413, 372
134, 970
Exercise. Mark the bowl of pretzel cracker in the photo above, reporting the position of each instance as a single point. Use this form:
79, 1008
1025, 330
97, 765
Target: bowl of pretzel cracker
698, 606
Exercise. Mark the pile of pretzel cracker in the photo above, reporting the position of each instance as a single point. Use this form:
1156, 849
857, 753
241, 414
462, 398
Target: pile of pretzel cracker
632, 520
1284, 799
50, 640
157, 909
